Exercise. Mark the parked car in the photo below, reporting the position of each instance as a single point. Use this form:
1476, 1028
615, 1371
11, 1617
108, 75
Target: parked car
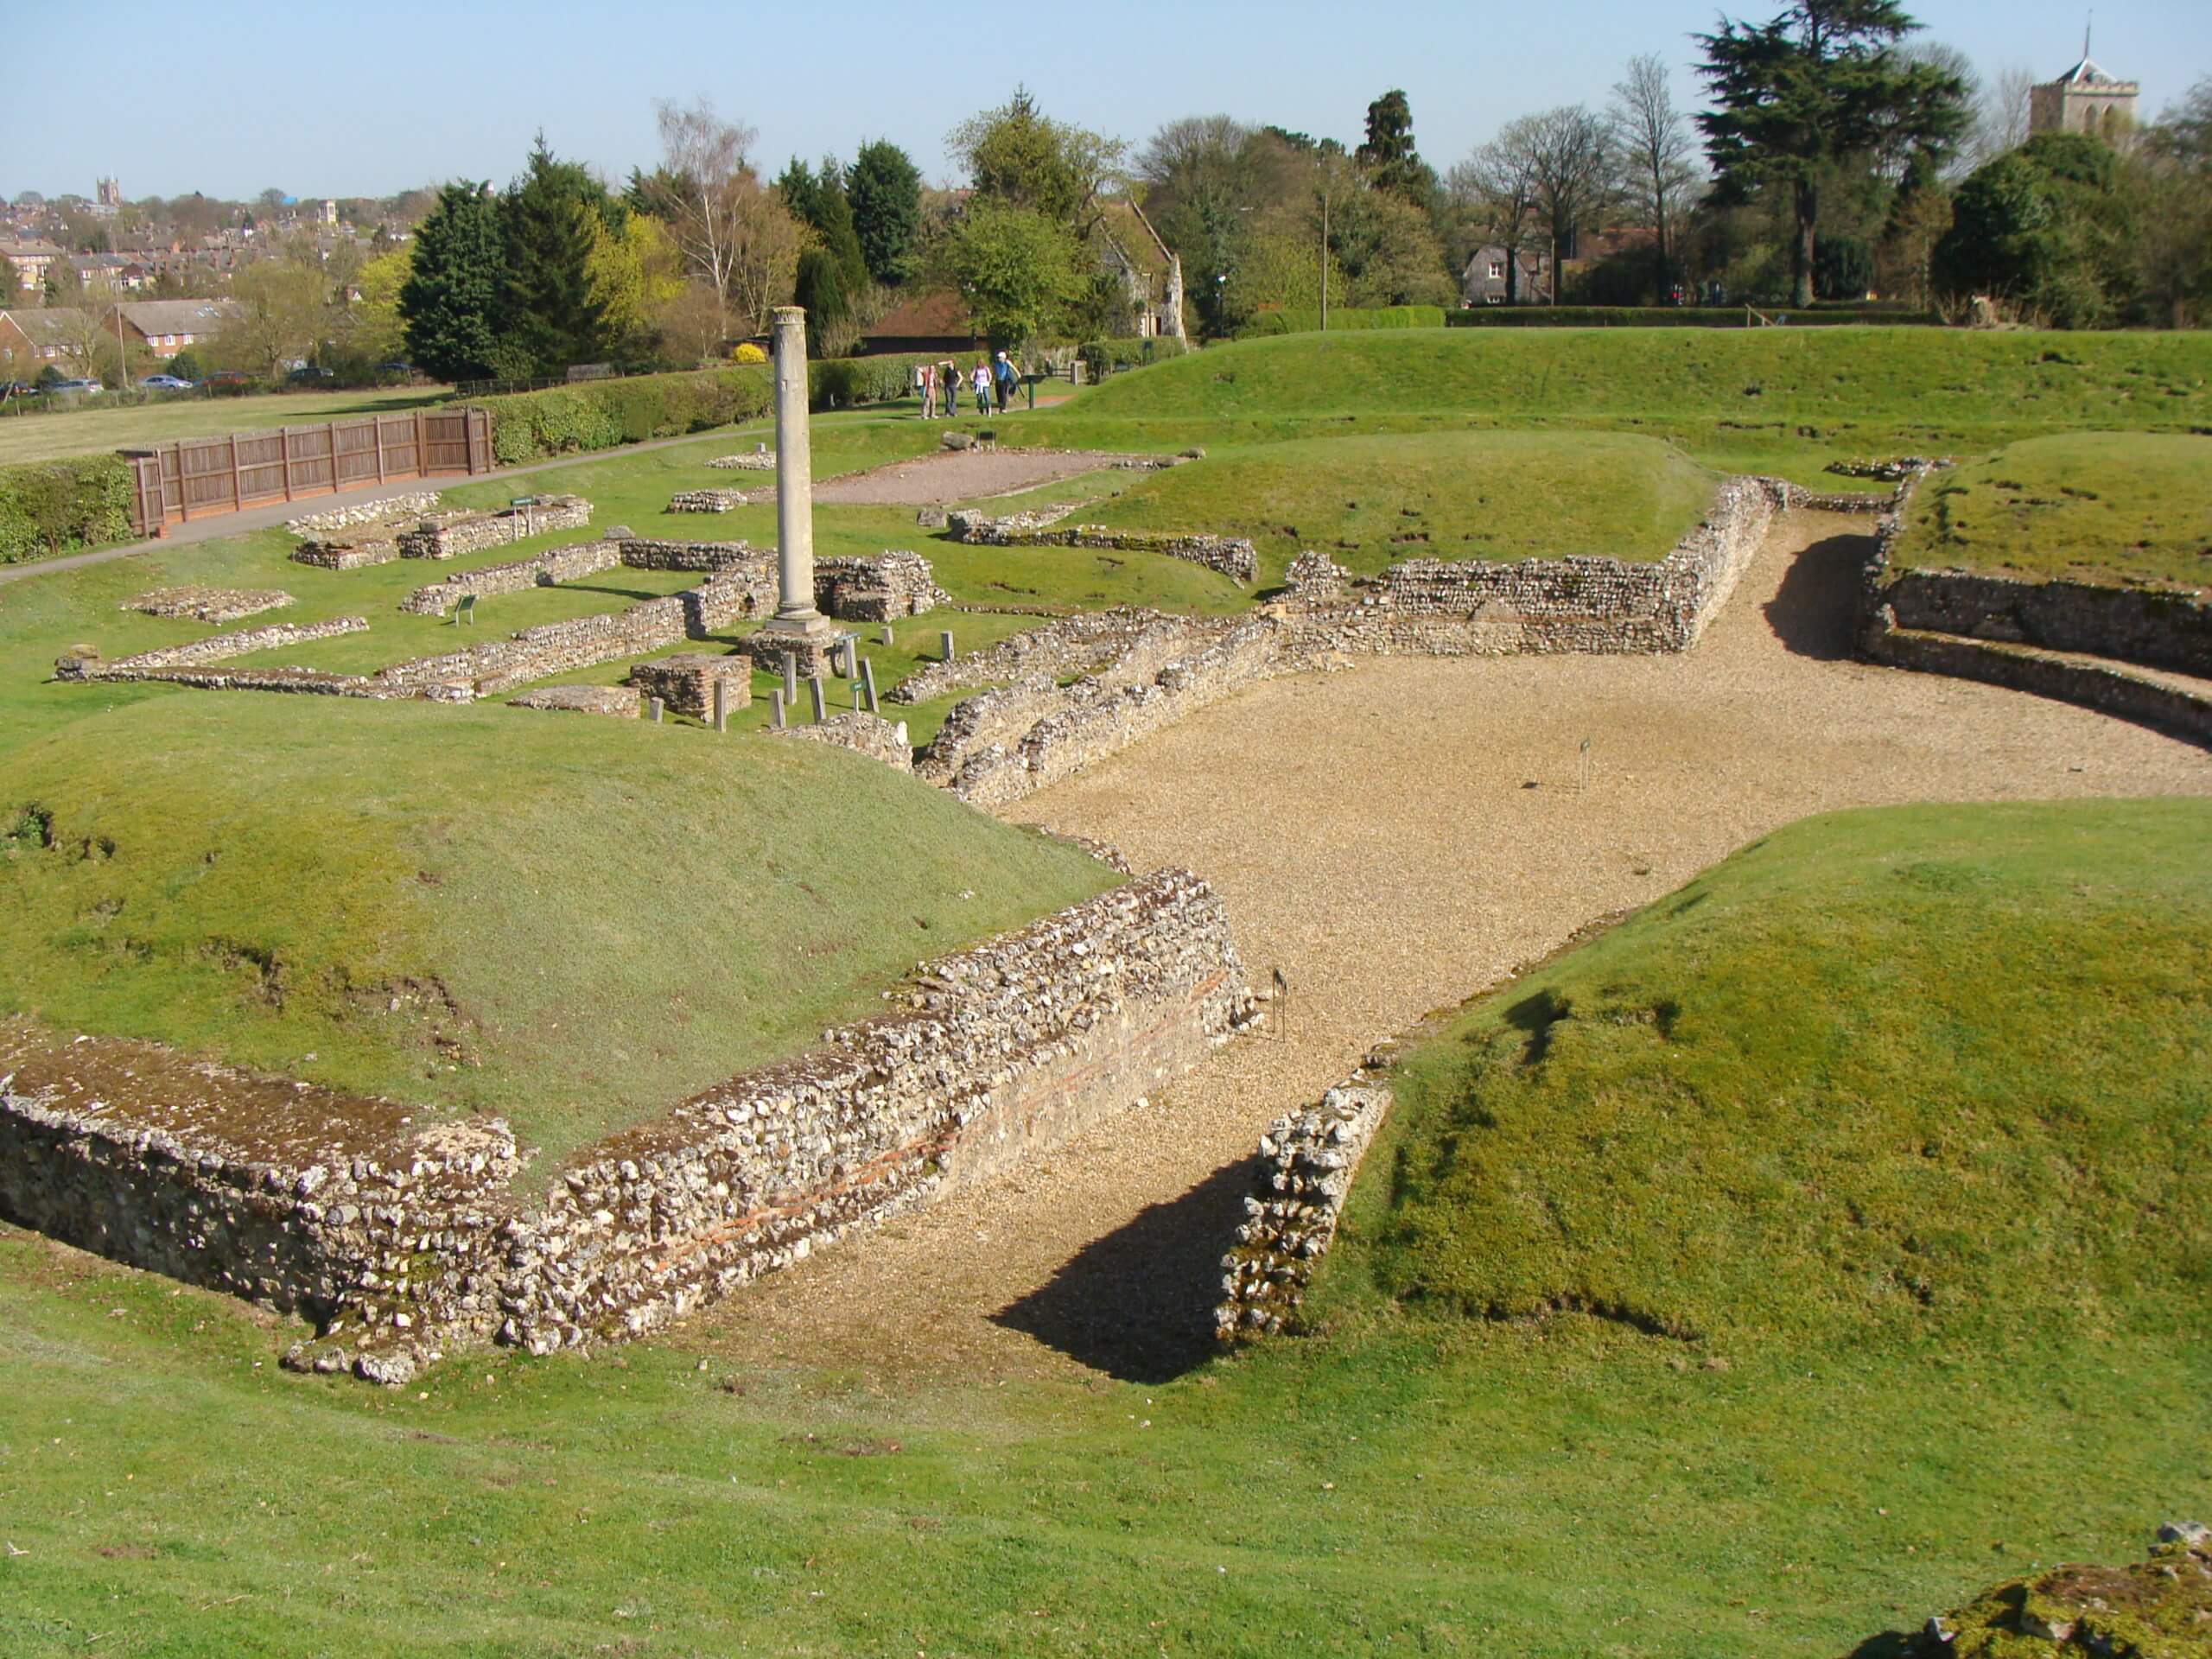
16, 389
165, 383
308, 374
233, 381
79, 388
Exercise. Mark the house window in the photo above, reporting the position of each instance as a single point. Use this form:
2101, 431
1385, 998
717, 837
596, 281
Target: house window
1498, 271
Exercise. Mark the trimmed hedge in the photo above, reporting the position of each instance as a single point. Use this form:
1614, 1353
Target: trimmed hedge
592, 415
1101, 357
1308, 321
1671, 316
59, 507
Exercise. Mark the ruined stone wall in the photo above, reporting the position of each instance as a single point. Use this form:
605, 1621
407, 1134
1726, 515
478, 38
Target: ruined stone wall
496, 666
862, 733
213, 605
645, 553
1308, 1160
389, 510
1081, 643
540, 570
685, 682
1233, 557
877, 588
402, 1242
346, 554
449, 535
213, 649
717, 500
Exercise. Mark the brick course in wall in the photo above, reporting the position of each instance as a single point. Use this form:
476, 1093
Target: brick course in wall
402, 1242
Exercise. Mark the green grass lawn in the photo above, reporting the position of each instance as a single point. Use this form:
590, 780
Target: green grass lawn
2130, 509
567, 920
1779, 401
1367, 501
1902, 1111
89, 428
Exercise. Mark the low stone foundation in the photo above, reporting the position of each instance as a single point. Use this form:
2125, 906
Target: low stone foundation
449, 535
715, 500
877, 588
389, 510
1307, 1163
616, 702
214, 606
151, 665
759, 460
347, 555
1232, 557
401, 1242
540, 570
866, 733
685, 682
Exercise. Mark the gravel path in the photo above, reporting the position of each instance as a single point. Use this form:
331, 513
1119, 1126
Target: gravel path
950, 475
1396, 837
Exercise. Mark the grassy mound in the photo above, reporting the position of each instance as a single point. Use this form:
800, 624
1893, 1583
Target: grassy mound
1903, 1071
1367, 501
2133, 509
564, 919
1912, 375
2156, 1609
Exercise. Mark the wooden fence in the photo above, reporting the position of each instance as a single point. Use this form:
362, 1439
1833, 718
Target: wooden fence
198, 477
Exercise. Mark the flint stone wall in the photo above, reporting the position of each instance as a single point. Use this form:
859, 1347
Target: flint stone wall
715, 500
763, 460
213, 649
1081, 643
863, 733
1232, 557
878, 588
449, 535
647, 553
213, 605
2158, 630
1307, 1163
540, 570
345, 555
402, 1242
686, 681
391, 510
616, 702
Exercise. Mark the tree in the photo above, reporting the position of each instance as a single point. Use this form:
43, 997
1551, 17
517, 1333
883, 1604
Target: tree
884, 188
287, 314
1652, 139
1388, 158
549, 316
2044, 228
1496, 187
733, 236
449, 300
379, 334
819, 289
1015, 266
1819, 82
1571, 165
634, 273
816, 197
1018, 156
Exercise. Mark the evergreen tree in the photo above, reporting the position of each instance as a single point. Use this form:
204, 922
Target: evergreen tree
1388, 158
448, 304
884, 188
819, 287
550, 315
816, 197
1819, 84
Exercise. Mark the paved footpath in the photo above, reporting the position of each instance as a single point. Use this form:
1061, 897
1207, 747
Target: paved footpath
1396, 837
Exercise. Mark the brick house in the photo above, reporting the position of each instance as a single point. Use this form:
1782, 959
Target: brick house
165, 327
31, 256
31, 340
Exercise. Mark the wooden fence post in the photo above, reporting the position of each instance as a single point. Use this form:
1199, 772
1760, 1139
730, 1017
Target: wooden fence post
422, 444
284, 444
183, 484
379, 427
330, 442
238, 478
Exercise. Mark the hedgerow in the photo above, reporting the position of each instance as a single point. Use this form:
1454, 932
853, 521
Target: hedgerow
1102, 356
1670, 316
55, 506
1307, 321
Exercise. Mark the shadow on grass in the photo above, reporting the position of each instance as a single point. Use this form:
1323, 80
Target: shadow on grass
1812, 611
1138, 1303
1890, 1644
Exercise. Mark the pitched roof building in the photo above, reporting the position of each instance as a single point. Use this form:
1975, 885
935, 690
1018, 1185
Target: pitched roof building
2084, 99
1148, 268
166, 327
30, 340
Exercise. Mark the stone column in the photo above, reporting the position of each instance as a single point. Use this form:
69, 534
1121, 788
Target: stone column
795, 612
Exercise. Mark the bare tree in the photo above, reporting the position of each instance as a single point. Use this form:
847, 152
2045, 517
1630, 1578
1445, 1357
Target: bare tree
1495, 187
1572, 162
2000, 117
736, 238
1658, 156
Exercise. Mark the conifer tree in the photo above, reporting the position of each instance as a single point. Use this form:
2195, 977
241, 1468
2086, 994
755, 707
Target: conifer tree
449, 303
550, 315
884, 188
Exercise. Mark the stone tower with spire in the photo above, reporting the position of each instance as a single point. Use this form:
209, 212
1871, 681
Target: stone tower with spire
2084, 99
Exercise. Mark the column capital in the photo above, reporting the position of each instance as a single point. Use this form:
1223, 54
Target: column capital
789, 316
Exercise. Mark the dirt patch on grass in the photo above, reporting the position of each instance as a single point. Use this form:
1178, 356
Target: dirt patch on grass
958, 475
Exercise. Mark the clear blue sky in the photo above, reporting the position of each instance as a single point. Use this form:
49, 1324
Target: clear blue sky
231, 98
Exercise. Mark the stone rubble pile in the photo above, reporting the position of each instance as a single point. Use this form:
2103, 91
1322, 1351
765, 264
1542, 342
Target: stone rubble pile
863, 733
762, 461
1308, 1161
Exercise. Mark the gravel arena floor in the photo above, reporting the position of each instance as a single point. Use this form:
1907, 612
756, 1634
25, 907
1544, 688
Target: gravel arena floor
1396, 837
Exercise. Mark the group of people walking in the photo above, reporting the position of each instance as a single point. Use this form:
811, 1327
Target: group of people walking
992, 385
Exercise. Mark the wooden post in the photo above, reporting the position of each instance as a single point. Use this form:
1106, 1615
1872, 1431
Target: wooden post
721, 705
330, 442
183, 486
377, 421
422, 444
284, 444
867, 679
238, 477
